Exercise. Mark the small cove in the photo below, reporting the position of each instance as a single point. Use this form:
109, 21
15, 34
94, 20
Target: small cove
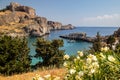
72, 48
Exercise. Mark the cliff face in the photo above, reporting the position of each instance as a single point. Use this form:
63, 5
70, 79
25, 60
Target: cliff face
117, 33
17, 7
38, 27
23, 20
54, 25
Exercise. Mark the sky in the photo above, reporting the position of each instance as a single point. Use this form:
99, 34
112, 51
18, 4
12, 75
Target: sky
75, 12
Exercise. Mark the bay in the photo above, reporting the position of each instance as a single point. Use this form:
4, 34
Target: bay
72, 48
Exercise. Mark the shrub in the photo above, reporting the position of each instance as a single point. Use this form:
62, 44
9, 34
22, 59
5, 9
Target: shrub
100, 66
49, 52
14, 56
97, 43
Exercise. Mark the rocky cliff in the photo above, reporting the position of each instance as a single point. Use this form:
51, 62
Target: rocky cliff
117, 33
21, 20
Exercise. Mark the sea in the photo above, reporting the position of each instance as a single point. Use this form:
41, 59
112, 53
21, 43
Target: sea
71, 48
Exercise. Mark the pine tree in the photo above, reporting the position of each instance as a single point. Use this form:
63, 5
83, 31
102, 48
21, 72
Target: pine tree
49, 52
111, 40
97, 43
14, 56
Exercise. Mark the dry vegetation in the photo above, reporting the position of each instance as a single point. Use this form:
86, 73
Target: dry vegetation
28, 76
11, 28
5, 12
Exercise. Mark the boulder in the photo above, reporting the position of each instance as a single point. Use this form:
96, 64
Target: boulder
13, 6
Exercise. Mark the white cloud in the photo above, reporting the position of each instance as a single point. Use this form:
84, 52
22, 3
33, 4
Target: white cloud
105, 20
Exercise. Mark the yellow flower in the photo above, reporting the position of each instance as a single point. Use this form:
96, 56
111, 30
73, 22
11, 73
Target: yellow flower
92, 57
95, 64
92, 71
77, 77
66, 56
65, 64
101, 55
88, 60
81, 73
75, 60
105, 49
47, 76
56, 78
72, 71
111, 58
78, 57
80, 53
40, 78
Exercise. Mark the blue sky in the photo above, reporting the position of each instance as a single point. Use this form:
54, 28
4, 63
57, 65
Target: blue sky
76, 12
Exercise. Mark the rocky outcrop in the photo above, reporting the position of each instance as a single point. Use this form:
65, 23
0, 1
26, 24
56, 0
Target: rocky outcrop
54, 25
65, 27
38, 27
58, 26
78, 36
17, 7
24, 20
7, 18
117, 33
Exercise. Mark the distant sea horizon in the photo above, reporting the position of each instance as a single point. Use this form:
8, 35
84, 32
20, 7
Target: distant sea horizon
72, 48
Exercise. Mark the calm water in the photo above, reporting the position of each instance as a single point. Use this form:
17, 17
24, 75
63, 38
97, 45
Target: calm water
72, 48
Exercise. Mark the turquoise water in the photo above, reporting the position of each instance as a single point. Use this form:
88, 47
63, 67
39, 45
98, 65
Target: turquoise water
72, 48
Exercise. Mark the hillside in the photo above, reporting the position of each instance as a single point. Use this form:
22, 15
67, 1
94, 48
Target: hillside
29, 76
19, 20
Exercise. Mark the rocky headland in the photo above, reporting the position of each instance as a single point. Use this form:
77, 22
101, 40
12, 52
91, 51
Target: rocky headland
19, 20
83, 37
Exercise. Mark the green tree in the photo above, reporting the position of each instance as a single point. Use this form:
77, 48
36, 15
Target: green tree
97, 43
49, 52
14, 56
117, 49
111, 41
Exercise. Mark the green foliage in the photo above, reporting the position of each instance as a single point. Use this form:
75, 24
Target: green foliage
100, 66
14, 56
111, 40
49, 52
97, 43
117, 49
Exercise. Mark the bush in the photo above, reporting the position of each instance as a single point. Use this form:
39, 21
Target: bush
49, 52
100, 66
14, 56
97, 43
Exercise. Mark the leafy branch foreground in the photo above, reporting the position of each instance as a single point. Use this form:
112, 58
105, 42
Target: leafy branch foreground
100, 65
104, 65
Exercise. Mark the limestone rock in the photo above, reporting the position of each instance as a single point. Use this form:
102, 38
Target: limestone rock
32, 25
17, 7
13, 17
38, 27
54, 25
69, 26
117, 33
